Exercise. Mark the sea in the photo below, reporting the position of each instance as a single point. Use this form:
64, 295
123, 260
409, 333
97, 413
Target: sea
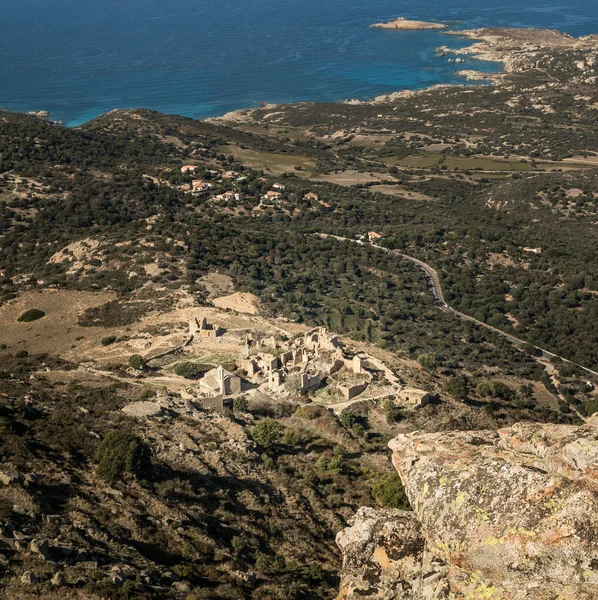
203, 58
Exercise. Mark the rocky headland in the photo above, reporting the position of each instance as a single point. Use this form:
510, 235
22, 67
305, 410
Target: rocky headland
407, 24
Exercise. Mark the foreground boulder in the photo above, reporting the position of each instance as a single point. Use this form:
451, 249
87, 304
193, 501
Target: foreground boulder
385, 556
507, 515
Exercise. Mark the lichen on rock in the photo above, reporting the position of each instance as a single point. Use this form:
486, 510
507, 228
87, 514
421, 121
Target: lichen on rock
508, 515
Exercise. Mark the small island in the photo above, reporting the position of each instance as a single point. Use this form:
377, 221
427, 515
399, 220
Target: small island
403, 23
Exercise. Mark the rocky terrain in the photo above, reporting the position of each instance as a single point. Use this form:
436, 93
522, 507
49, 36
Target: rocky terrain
507, 514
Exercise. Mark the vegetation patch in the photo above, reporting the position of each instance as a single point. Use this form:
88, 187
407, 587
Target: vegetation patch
32, 314
120, 453
116, 313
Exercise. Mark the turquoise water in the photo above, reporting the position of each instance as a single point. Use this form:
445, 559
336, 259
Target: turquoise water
202, 58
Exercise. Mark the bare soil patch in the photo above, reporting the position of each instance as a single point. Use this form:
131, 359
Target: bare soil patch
239, 302
217, 285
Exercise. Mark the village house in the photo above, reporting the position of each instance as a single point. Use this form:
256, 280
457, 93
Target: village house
199, 185
279, 186
220, 382
229, 175
374, 237
533, 250
272, 196
188, 169
311, 196
228, 197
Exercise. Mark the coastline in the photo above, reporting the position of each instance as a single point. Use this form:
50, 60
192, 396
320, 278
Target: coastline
515, 49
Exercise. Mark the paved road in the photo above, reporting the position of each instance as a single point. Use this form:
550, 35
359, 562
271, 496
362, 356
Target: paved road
436, 290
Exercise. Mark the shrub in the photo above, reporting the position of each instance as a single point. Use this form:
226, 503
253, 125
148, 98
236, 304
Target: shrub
186, 369
392, 411
32, 314
108, 340
122, 452
348, 419
333, 464
591, 406
457, 387
290, 437
240, 404
428, 361
136, 362
267, 433
388, 490
191, 370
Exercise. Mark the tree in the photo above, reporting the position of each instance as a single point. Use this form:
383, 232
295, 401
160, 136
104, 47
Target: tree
457, 387
122, 452
388, 490
267, 433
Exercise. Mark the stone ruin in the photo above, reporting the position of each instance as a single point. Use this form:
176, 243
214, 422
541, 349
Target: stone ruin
309, 361
203, 329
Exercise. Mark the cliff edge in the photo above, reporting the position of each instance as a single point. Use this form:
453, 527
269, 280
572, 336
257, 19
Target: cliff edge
508, 515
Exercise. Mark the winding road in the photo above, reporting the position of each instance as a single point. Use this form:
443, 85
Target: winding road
436, 290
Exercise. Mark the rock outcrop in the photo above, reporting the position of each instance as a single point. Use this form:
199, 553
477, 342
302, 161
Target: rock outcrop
385, 555
508, 515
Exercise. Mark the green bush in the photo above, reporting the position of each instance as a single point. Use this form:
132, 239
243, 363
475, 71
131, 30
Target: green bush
388, 490
136, 362
290, 438
393, 412
348, 420
240, 404
108, 340
591, 406
428, 361
327, 464
457, 387
188, 370
122, 452
267, 433
191, 370
32, 314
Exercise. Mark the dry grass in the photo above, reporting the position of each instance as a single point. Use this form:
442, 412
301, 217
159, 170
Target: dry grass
58, 332
270, 161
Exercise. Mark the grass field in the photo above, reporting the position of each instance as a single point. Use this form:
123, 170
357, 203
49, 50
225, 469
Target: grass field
427, 160
270, 161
